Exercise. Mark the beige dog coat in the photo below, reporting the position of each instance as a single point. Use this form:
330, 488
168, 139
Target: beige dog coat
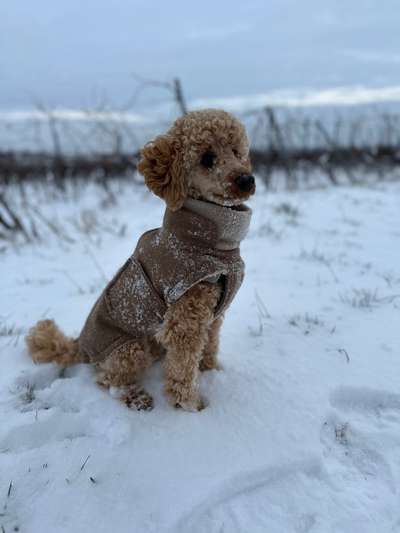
200, 242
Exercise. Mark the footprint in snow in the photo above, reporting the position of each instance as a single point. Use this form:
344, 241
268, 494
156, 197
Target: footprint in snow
262, 500
54, 396
365, 400
56, 427
47, 387
362, 433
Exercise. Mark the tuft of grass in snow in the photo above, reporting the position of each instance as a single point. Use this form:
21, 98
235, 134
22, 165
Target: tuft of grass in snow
36, 282
10, 330
27, 394
305, 322
89, 224
316, 256
262, 315
91, 288
367, 298
390, 279
35, 219
268, 230
290, 211
341, 433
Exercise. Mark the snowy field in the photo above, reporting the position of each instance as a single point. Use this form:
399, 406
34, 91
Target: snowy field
302, 429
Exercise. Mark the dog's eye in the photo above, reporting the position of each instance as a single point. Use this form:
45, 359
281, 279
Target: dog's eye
208, 159
235, 152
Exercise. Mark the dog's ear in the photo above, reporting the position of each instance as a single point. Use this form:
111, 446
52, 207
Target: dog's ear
161, 164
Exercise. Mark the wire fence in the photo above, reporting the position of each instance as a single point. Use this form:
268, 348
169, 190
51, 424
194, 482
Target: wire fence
288, 148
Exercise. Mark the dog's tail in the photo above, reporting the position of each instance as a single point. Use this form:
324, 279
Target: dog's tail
47, 343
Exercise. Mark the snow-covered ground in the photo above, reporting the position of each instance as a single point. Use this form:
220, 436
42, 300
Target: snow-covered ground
302, 430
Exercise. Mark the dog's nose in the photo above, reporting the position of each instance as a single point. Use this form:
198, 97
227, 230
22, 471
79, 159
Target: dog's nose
245, 182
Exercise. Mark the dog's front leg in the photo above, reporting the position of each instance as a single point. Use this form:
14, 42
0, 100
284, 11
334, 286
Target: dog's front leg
209, 360
184, 335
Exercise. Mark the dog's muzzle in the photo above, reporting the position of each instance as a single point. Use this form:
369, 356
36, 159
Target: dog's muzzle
245, 183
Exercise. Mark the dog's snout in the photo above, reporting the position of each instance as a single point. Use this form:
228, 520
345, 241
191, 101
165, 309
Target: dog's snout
245, 182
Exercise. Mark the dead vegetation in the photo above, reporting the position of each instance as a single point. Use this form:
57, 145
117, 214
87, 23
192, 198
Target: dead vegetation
367, 298
23, 219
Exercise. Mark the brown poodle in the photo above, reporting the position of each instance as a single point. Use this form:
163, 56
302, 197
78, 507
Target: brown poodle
169, 298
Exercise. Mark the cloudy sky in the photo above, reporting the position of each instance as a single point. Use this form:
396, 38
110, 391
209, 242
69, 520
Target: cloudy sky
73, 53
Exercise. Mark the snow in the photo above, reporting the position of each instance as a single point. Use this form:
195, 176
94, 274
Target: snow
302, 428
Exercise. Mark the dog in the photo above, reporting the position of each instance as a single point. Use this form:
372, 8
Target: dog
168, 300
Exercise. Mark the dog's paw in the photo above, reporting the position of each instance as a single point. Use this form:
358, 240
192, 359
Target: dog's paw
182, 396
192, 406
103, 379
206, 365
137, 398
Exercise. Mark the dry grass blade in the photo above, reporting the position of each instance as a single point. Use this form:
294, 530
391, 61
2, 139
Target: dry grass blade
53, 226
15, 225
84, 462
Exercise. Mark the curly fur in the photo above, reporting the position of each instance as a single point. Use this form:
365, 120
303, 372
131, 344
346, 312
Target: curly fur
185, 334
189, 336
47, 343
167, 160
209, 357
162, 167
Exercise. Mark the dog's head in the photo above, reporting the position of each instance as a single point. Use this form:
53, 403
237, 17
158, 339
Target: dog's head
204, 155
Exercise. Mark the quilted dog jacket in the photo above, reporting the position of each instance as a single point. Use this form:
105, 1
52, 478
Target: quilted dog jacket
200, 242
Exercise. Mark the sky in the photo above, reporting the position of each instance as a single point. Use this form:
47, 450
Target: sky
78, 53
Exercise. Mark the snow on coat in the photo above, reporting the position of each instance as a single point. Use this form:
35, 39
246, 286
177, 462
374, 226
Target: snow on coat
200, 242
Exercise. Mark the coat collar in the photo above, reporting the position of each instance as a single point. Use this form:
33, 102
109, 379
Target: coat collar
209, 224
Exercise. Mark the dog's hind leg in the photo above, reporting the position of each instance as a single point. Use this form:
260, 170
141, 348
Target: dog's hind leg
123, 368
